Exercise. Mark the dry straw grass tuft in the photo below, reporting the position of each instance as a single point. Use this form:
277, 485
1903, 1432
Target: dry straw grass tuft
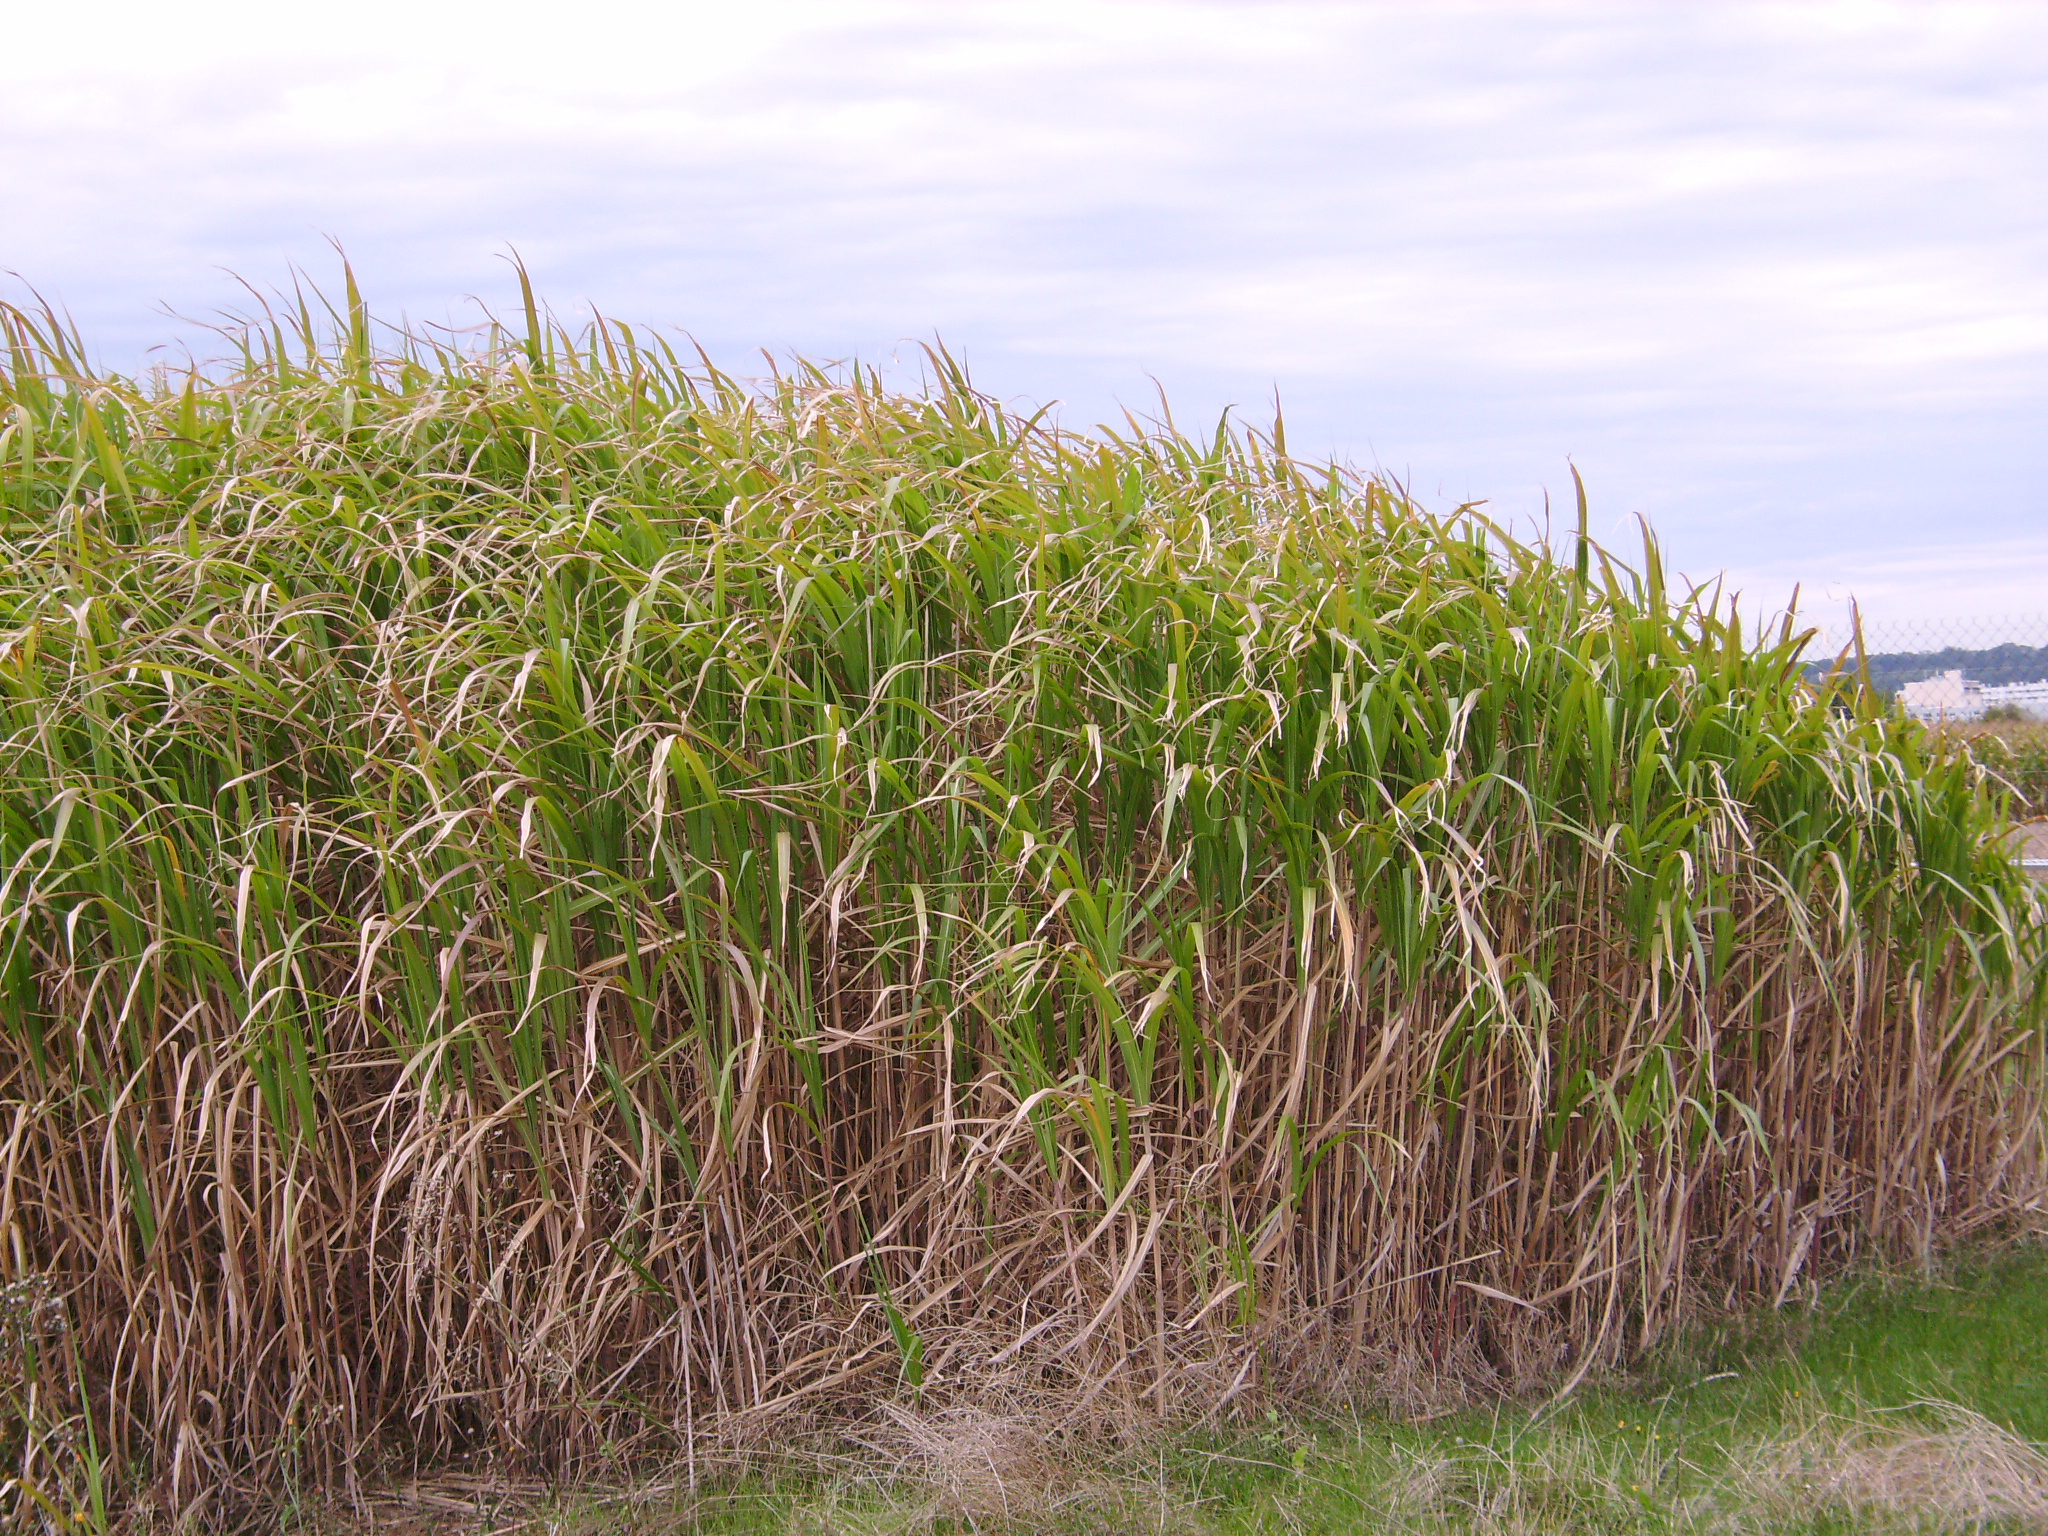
555, 909
980, 1466
1960, 1471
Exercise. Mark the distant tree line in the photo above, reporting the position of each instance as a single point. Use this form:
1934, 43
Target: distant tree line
1892, 670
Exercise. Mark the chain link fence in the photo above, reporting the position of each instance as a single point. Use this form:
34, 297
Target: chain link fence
1981, 680
1952, 671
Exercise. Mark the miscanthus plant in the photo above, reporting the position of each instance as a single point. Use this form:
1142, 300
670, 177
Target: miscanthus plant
554, 907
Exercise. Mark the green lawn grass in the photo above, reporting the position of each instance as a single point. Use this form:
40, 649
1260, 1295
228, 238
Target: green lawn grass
1888, 1404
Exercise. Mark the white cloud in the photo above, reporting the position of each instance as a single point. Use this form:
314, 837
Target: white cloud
1771, 273
1912, 597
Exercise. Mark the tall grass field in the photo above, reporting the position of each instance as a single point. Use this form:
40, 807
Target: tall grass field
557, 909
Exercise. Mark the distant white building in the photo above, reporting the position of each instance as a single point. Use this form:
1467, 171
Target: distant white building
2032, 698
1950, 696
1947, 696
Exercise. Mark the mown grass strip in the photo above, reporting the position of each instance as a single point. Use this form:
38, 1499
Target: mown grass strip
1884, 1404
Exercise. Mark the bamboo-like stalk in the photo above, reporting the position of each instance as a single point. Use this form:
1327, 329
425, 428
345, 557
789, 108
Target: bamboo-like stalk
551, 903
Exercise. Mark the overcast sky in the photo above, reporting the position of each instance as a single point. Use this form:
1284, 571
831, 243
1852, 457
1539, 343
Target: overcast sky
1775, 278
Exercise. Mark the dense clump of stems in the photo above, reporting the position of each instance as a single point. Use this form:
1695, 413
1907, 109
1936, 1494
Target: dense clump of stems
553, 905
